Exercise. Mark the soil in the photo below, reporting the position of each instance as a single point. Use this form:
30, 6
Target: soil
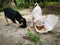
12, 35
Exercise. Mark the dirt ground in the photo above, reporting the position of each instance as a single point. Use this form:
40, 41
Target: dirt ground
11, 35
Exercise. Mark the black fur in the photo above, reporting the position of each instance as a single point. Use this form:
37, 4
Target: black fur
14, 15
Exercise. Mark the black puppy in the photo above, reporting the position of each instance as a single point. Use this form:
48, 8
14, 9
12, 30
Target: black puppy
14, 15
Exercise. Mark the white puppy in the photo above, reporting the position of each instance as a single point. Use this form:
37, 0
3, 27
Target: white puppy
37, 15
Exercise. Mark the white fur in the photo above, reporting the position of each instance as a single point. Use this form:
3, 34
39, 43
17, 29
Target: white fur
37, 15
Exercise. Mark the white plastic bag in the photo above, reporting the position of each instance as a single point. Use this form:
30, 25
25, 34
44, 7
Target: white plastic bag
37, 12
49, 23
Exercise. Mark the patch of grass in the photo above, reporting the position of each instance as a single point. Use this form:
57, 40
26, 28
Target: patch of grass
33, 37
1, 9
20, 3
21, 44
